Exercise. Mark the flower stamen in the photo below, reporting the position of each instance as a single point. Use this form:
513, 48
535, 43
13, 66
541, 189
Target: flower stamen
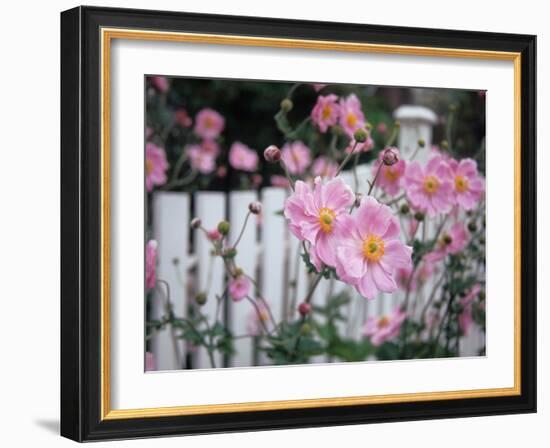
431, 184
461, 184
373, 248
326, 219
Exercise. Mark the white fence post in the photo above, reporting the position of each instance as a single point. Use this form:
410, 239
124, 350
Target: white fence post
210, 208
416, 123
170, 229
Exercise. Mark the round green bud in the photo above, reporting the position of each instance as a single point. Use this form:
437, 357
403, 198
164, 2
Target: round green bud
397, 124
175, 261
482, 240
419, 216
238, 271
201, 298
405, 209
230, 252
361, 135
447, 239
444, 144
421, 142
368, 126
287, 105
223, 227
472, 227
305, 329
482, 295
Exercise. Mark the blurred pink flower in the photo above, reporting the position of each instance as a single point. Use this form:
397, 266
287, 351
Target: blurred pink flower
279, 181
221, 171
465, 320
318, 86
148, 132
451, 242
241, 157
326, 111
351, 115
214, 234
404, 279
468, 184
160, 83
296, 156
150, 264
324, 167
384, 328
381, 128
371, 251
320, 215
430, 188
211, 147
150, 364
201, 160
256, 180
239, 288
391, 177
183, 118
155, 166
209, 124
258, 319
365, 146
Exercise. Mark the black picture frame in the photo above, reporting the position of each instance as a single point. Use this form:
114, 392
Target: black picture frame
81, 224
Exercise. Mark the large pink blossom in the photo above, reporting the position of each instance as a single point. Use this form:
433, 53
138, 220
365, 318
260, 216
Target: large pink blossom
209, 124
351, 115
241, 157
390, 178
451, 242
155, 166
296, 156
239, 288
324, 167
384, 328
320, 215
468, 184
201, 159
465, 319
430, 188
150, 264
326, 112
371, 251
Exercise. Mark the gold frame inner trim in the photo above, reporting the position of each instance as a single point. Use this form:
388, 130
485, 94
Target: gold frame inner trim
107, 35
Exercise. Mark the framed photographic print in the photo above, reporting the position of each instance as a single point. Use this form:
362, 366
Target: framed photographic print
274, 224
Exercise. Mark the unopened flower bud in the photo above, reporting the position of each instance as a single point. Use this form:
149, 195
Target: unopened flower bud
196, 223
305, 329
368, 126
447, 239
481, 295
230, 252
304, 308
390, 157
223, 227
175, 261
272, 154
397, 124
482, 240
238, 272
444, 144
404, 209
472, 227
419, 216
287, 105
255, 207
360, 135
201, 298
358, 198
421, 142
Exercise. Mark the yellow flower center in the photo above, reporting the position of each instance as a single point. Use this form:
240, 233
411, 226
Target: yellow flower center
208, 123
383, 322
351, 120
326, 112
326, 218
373, 248
391, 173
148, 167
461, 184
431, 184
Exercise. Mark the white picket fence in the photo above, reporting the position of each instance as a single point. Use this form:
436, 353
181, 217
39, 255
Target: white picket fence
267, 251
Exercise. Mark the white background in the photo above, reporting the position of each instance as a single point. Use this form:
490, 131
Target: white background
29, 373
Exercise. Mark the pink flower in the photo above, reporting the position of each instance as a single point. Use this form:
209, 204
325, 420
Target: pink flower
318, 86
430, 188
296, 156
257, 319
351, 115
324, 167
320, 215
468, 184
155, 166
214, 234
150, 264
452, 242
384, 328
365, 146
211, 147
381, 128
325, 112
279, 181
465, 320
239, 288
368, 256
404, 279
200, 159
183, 118
241, 157
209, 124
150, 363
390, 177
160, 83
257, 180
221, 171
